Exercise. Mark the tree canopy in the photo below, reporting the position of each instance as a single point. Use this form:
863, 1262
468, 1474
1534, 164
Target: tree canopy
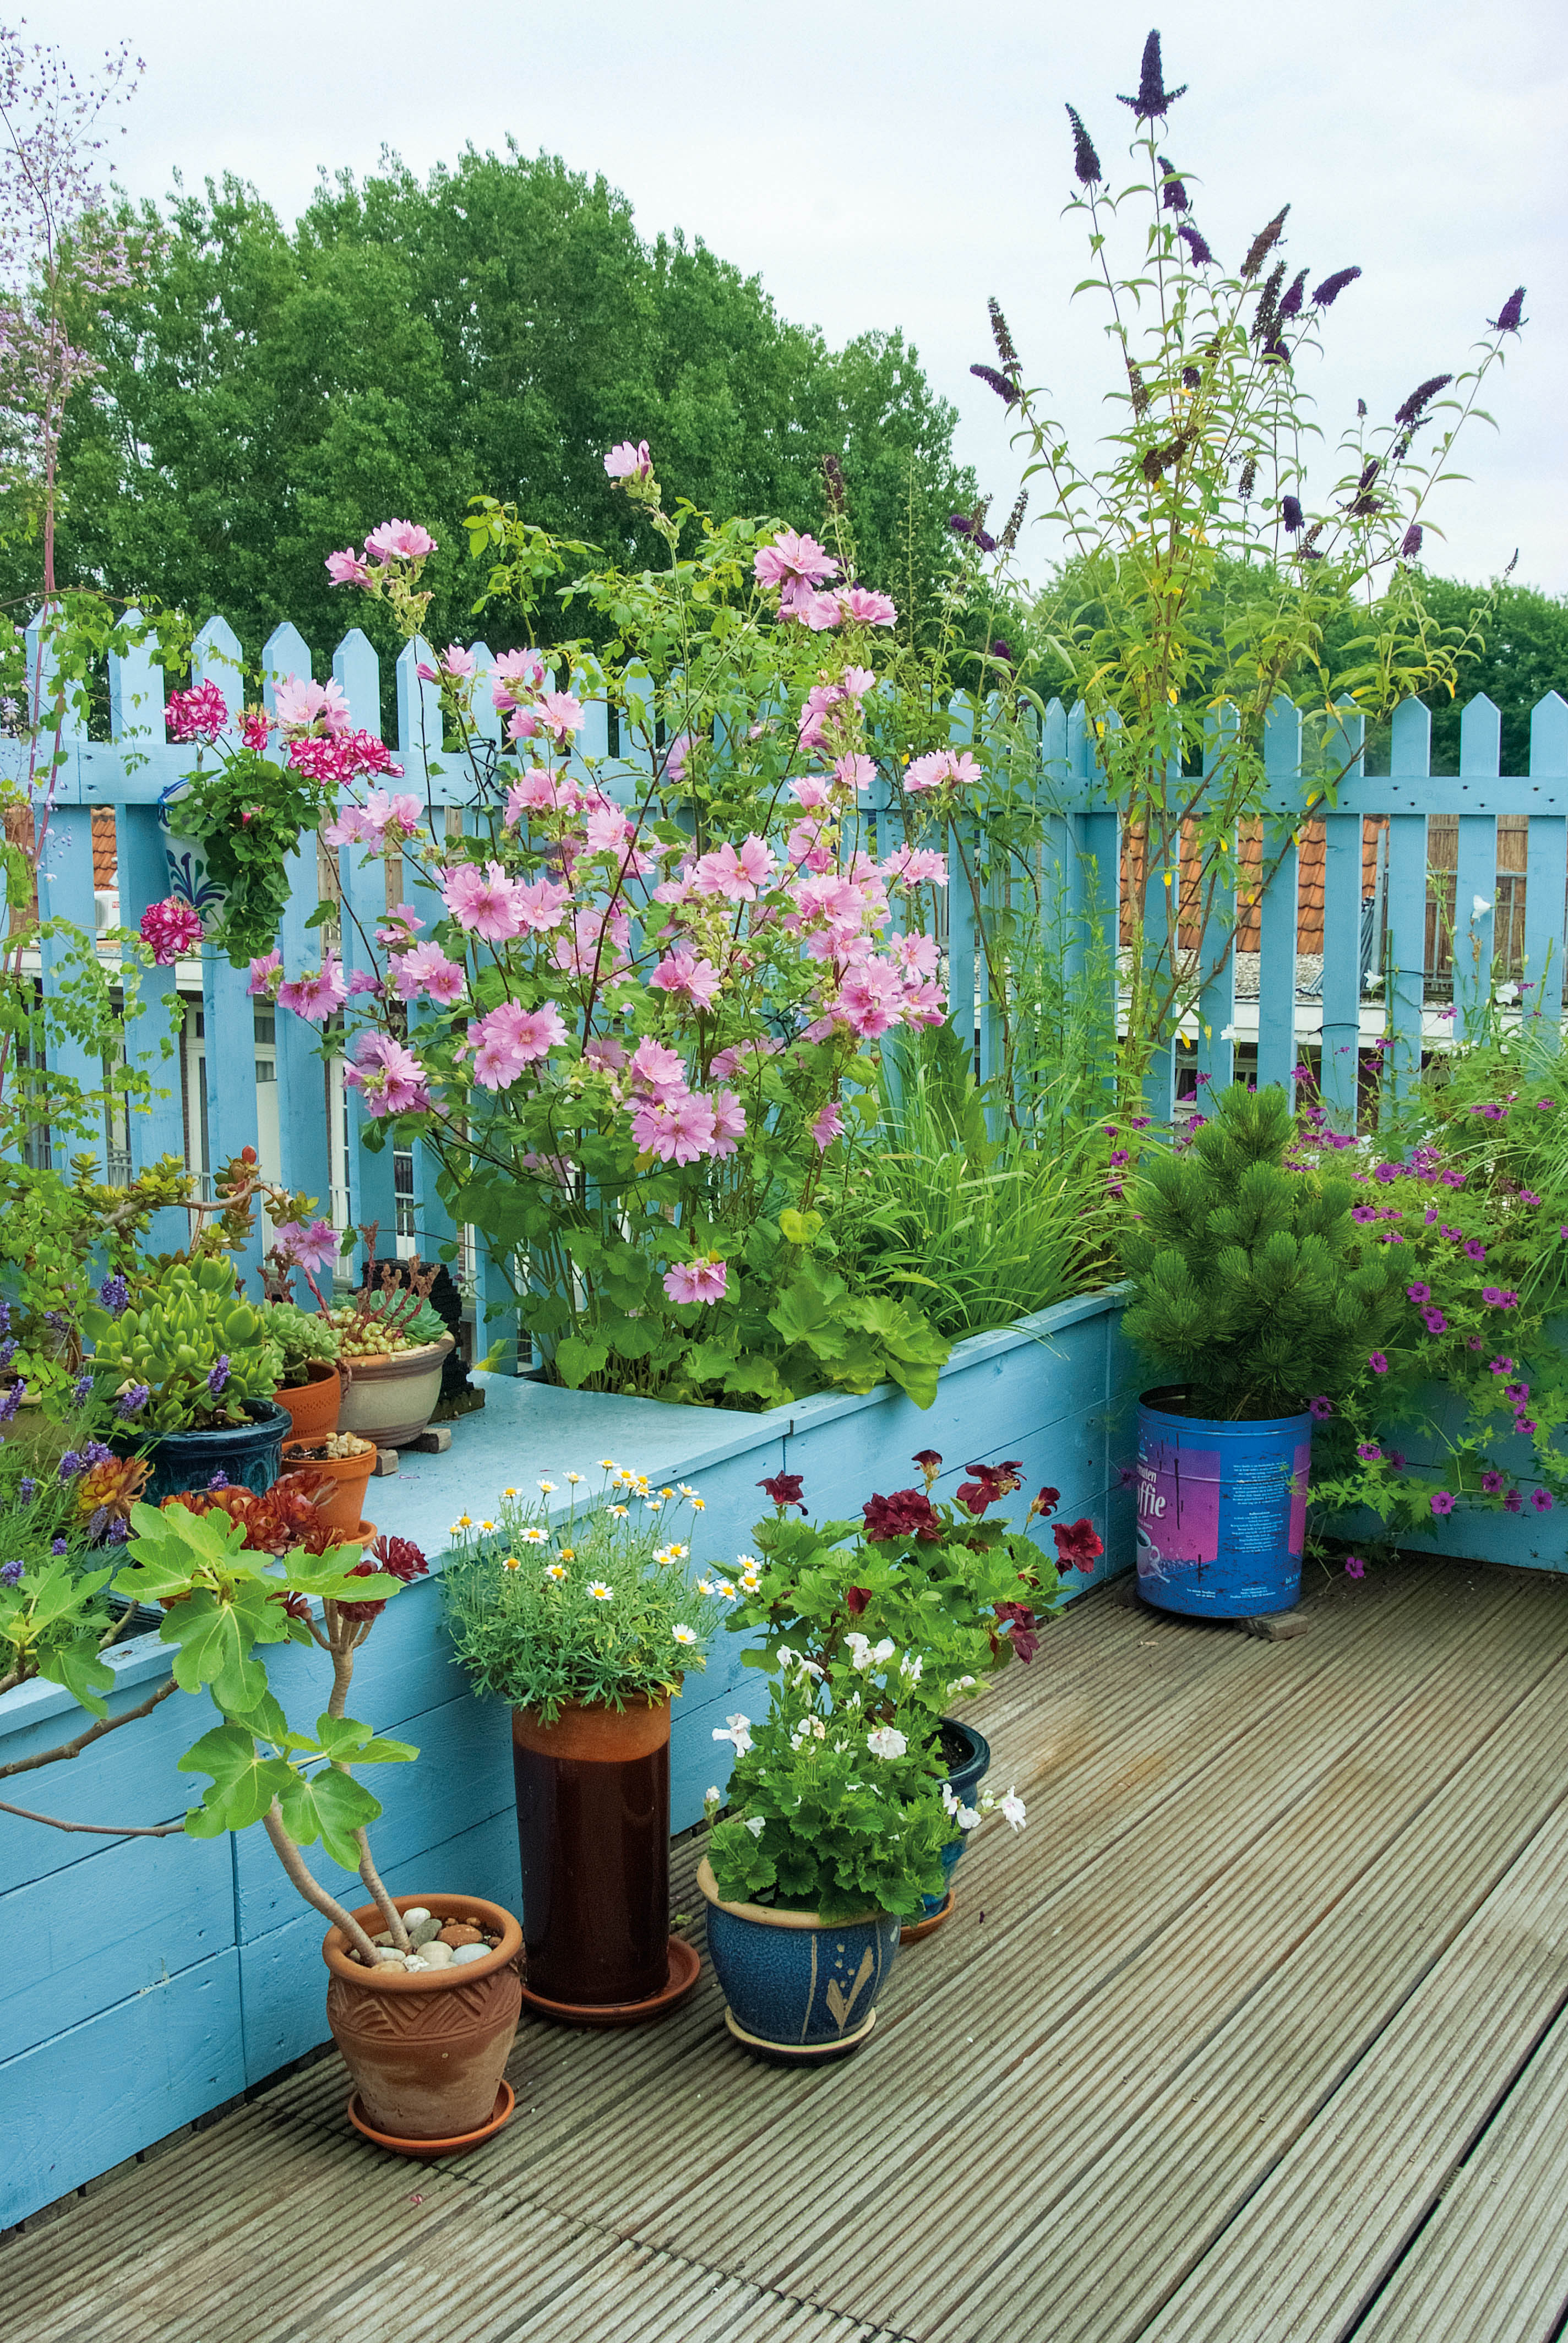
270, 394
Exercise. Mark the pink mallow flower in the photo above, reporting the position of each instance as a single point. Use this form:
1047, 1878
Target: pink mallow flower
306, 1248
399, 540
697, 1281
346, 569
511, 1038
944, 765
483, 902
265, 973
514, 674
728, 1122
696, 980
305, 709
676, 1131
797, 565
827, 1126
626, 461
561, 714
737, 873
169, 929
426, 969
317, 994
869, 608
388, 1076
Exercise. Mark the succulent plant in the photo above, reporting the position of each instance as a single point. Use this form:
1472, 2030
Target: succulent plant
193, 1344
305, 1337
375, 1324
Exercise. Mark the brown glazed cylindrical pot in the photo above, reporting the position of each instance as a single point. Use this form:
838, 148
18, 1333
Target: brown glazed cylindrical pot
312, 1406
426, 2052
593, 1825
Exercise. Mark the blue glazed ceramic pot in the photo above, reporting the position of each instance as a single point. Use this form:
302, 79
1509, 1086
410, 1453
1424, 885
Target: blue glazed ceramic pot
248, 1455
799, 1993
966, 1771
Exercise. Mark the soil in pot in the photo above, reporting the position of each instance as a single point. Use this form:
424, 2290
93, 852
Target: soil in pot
388, 1398
312, 1406
427, 2049
350, 1462
593, 1829
248, 1455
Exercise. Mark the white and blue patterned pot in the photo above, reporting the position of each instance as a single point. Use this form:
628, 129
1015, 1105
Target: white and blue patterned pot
189, 879
800, 1992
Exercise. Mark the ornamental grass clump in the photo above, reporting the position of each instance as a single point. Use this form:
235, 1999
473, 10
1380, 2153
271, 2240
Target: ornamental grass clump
1251, 1291
597, 1608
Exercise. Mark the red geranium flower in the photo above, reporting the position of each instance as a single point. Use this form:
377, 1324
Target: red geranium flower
1078, 1545
784, 1490
907, 1514
1025, 1637
990, 1481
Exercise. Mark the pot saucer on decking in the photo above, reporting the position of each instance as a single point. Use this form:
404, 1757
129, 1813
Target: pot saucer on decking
932, 1921
799, 2054
685, 1968
426, 2149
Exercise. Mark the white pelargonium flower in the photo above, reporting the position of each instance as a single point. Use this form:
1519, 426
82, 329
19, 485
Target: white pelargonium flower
886, 1741
735, 1728
867, 1654
1013, 1811
1480, 907
756, 1824
810, 1728
962, 1684
911, 1665
967, 1819
949, 1799
787, 1658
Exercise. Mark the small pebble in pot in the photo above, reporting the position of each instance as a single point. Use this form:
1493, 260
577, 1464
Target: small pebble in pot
413, 1915
387, 1956
458, 1933
466, 1952
435, 1956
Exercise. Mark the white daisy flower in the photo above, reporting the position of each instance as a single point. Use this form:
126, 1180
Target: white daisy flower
549, 1487
599, 1591
534, 1537
555, 1570
684, 1634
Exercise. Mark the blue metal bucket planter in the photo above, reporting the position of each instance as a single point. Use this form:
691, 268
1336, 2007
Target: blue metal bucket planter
248, 1455
800, 1992
965, 1774
1222, 1510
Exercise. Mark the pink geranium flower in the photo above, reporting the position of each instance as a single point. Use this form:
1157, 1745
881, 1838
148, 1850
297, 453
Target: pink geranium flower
540, 904
513, 674
454, 665
677, 1130
697, 1281
820, 612
658, 1072
944, 765
856, 773
511, 1038
916, 865
399, 540
728, 1122
561, 714
869, 608
169, 929
199, 714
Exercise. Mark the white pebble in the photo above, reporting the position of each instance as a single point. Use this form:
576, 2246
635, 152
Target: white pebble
412, 1918
388, 1957
414, 1962
435, 1954
466, 1952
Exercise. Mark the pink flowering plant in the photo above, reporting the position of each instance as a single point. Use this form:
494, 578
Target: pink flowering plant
248, 803
634, 1011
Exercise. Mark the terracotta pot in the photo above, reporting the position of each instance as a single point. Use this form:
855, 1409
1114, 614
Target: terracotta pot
426, 2052
352, 1474
389, 1399
593, 1827
312, 1406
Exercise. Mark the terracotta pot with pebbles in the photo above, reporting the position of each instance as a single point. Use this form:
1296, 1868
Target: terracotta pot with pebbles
425, 2032
347, 1460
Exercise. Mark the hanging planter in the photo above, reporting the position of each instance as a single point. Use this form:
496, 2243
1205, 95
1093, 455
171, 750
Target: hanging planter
593, 1830
800, 1991
967, 1754
1221, 1509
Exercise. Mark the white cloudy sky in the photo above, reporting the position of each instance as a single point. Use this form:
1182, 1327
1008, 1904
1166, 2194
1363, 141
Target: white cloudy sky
889, 163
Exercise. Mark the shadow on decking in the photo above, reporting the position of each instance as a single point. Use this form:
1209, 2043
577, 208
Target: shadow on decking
1255, 2033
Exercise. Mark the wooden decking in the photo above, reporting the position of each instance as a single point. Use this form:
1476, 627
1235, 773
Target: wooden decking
1257, 2032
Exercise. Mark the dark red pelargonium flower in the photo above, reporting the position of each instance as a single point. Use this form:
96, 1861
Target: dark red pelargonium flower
784, 1490
1078, 1545
1045, 1504
990, 1481
907, 1514
1025, 1637
856, 1599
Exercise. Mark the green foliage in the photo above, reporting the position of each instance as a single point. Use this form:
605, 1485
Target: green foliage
596, 1609
180, 1327
248, 812
1251, 1288
501, 323
304, 1338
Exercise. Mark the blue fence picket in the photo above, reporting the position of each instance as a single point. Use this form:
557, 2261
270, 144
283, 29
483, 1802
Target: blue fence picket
1475, 870
1410, 764
1340, 1071
1279, 910
229, 1013
304, 1127
136, 726
1216, 950
1546, 871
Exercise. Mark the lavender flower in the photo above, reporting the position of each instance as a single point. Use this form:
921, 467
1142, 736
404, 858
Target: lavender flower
11, 1400
1410, 545
1153, 99
220, 1479
117, 1532
1292, 513
1328, 291
217, 1376
7, 1351
57, 1321
1173, 195
1008, 392
10, 1572
132, 1400
1201, 255
58, 1546
4, 1317
114, 1294
1085, 161
76, 1460
1510, 316
26, 1490
1291, 304
1421, 397
82, 1389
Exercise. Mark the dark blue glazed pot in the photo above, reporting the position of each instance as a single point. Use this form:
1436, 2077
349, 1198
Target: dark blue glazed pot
965, 1775
248, 1455
799, 1993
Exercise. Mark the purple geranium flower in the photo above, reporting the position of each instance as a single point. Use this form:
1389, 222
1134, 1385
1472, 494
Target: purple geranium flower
1369, 1451
1321, 1407
1441, 1503
1419, 1293
1475, 1250
1434, 1321
1492, 1483
1355, 1566
1542, 1500
1377, 1363
1514, 1503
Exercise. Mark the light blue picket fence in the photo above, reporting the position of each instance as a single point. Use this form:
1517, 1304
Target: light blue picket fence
1080, 859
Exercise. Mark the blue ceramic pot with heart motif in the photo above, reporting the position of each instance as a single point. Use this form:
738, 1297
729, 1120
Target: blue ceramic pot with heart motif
800, 1992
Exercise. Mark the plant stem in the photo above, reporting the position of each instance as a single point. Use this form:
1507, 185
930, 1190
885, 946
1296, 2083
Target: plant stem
315, 1895
93, 1732
99, 1830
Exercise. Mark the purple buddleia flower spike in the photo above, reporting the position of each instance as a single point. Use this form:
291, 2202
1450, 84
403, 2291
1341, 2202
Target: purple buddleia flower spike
1510, 316
1328, 291
1008, 392
1085, 161
1291, 304
1422, 396
1153, 99
1201, 255
1173, 195
1411, 545
1291, 512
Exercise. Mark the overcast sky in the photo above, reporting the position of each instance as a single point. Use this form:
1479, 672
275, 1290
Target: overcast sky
889, 163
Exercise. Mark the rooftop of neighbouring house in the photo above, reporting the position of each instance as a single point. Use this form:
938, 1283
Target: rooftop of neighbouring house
1256, 2034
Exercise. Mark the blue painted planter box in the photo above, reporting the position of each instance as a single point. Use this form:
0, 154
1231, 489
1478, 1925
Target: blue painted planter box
177, 1972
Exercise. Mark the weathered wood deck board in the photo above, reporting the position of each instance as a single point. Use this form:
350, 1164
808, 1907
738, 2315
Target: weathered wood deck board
1277, 1961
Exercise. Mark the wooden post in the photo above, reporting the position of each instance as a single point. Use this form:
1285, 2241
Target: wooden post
1475, 870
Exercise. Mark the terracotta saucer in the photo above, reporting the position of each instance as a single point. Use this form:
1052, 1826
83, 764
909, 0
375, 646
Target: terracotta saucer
685, 1968
425, 2149
932, 1921
803, 2054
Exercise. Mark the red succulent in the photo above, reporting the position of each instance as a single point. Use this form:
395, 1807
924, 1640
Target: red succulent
395, 1557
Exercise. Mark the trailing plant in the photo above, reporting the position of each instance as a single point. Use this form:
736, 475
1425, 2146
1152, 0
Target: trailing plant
1250, 1289
597, 1608
189, 1353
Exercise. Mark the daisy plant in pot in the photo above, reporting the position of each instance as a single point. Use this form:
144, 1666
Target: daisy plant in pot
580, 1612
